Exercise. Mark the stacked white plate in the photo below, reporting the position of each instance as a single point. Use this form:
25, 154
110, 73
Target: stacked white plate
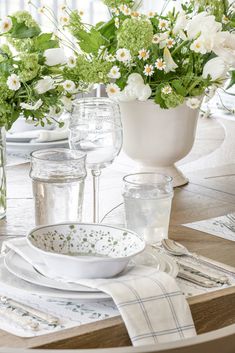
19, 275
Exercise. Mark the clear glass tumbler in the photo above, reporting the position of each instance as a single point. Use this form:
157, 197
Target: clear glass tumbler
147, 201
58, 185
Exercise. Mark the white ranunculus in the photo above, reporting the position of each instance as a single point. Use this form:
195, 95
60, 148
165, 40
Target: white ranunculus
127, 95
44, 85
181, 23
203, 24
170, 64
144, 92
34, 106
134, 79
224, 47
55, 56
216, 69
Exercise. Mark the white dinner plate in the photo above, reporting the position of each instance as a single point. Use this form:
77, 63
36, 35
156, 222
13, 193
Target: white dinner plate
25, 148
17, 284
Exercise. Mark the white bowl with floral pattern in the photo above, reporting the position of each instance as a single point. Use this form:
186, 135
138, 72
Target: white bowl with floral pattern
85, 250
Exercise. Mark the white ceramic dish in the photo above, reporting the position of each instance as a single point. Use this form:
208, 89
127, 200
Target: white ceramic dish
26, 271
16, 284
25, 148
85, 250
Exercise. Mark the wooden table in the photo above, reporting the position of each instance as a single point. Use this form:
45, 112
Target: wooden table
210, 193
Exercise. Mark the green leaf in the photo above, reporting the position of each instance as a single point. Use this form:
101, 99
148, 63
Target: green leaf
232, 81
91, 41
44, 42
107, 30
21, 31
179, 88
158, 97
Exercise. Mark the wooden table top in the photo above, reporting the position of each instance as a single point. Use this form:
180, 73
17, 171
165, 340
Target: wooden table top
210, 193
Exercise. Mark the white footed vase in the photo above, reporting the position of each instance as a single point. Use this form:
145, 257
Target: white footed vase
157, 138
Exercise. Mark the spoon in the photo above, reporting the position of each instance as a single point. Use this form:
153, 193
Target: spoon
177, 249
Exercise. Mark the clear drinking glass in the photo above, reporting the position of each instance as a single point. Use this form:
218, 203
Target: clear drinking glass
95, 128
58, 185
147, 201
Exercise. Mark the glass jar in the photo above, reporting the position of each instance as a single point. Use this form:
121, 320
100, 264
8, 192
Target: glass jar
58, 185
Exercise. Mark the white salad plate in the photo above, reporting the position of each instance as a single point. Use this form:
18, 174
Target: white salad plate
25, 148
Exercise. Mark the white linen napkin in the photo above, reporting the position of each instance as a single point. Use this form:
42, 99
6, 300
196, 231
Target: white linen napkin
150, 302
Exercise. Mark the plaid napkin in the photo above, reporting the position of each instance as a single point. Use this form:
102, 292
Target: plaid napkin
151, 304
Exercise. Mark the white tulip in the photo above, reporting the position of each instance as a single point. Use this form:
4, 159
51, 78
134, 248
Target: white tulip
181, 23
55, 56
203, 24
34, 106
216, 69
224, 47
170, 64
44, 85
134, 79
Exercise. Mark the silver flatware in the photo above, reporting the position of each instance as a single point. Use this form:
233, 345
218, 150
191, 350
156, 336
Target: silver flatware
177, 249
194, 278
38, 314
11, 314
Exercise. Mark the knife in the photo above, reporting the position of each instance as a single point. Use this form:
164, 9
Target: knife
196, 279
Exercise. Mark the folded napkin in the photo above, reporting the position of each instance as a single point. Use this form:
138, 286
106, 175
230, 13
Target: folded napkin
150, 302
40, 135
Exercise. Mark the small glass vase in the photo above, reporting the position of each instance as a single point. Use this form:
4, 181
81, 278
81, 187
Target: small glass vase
2, 172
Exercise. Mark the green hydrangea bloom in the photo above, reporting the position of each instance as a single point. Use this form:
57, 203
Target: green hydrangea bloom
22, 45
116, 3
218, 8
5, 92
5, 112
172, 100
89, 72
135, 34
26, 18
28, 67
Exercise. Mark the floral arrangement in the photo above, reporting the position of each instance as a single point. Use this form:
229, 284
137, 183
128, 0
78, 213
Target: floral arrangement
31, 72
168, 57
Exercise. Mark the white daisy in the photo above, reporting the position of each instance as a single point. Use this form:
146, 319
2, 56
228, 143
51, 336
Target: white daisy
143, 54
114, 72
156, 39
151, 14
41, 10
64, 19
167, 90
63, 7
160, 64
198, 47
13, 82
135, 14
127, 11
112, 90
163, 25
115, 11
6, 25
225, 20
71, 61
122, 8
81, 13
69, 86
123, 55
30, 106
170, 42
193, 103
116, 22
148, 70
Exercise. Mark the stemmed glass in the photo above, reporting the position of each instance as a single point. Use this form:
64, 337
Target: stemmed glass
96, 129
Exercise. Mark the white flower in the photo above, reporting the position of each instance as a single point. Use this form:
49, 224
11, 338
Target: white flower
71, 61
148, 70
64, 19
114, 72
198, 46
127, 11
161, 39
6, 25
112, 90
163, 25
81, 13
67, 102
115, 11
123, 55
151, 14
216, 69
116, 22
41, 10
135, 14
160, 64
13, 82
225, 20
193, 103
134, 79
170, 43
202, 24
144, 92
181, 23
69, 86
170, 64
34, 106
127, 95
167, 90
63, 7
55, 56
224, 47
143, 54
44, 85
110, 58
138, 91
156, 39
